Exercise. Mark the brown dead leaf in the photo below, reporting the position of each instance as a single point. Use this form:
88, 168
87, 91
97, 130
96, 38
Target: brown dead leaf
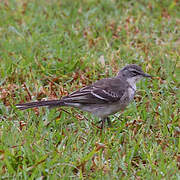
2, 152
99, 146
91, 43
22, 124
24, 7
27, 90
80, 167
165, 14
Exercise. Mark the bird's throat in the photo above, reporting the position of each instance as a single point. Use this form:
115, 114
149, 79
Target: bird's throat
132, 83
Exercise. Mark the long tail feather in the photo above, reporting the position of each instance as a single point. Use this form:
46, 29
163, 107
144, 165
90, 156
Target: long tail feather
49, 103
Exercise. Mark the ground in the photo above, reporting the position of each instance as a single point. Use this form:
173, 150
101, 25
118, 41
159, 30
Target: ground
50, 48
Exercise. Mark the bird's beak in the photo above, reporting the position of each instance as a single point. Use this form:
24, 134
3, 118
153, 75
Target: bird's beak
147, 75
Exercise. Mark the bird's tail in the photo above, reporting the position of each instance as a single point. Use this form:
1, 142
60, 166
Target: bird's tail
49, 103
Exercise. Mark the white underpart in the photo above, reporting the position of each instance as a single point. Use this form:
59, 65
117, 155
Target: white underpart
132, 82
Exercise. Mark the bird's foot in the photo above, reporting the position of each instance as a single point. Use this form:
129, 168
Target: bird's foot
103, 121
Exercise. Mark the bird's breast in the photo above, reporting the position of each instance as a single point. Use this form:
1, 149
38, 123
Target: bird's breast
131, 93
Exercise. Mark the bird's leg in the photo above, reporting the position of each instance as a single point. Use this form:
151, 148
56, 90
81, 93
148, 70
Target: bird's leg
103, 123
103, 120
109, 121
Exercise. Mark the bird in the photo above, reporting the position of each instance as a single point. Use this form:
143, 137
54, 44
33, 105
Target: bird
103, 98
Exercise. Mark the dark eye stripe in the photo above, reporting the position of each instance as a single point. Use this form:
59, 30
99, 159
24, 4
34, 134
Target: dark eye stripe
135, 72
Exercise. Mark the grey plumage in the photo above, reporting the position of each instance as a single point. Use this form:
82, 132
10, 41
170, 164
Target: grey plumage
102, 98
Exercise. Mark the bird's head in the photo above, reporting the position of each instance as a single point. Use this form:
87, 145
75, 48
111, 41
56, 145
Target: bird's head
132, 73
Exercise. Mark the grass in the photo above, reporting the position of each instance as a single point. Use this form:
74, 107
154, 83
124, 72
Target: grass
50, 48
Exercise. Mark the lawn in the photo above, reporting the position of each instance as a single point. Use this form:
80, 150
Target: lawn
50, 48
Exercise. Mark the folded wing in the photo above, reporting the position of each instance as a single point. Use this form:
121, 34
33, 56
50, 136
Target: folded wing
103, 91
